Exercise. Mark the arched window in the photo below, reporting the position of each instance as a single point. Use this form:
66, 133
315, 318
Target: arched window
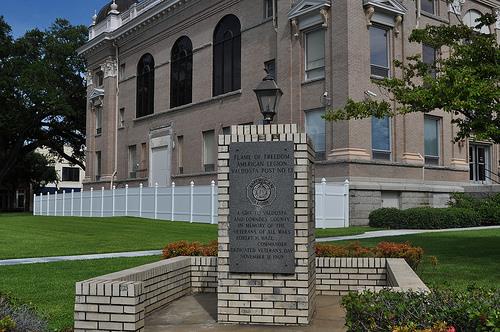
470, 19
181, 76
227, 55
145, 85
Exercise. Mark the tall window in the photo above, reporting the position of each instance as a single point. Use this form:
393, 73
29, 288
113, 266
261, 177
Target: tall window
379, 51
381, 138
99, 81
98, 164
180, 154
209, 150
181, 76
429, 57
271, 68
431, 140
98, 120
315, 128
428, 6
132, 161
145, 86
315, 54
227, 56
268, 8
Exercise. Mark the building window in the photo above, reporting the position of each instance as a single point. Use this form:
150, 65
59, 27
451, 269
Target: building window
99, 78
226, 130
132, 161
180, 154
121, 118
479, 164
71, 174
20, 199
268, 8
379, 51
315, 129
429, 57
431, 140
227, 56
428, 6
315, 54
145, 86
122, 71
144, 158
181, 75
98, 164
209, 151
471, 20
381, 138
270, 67
98, 120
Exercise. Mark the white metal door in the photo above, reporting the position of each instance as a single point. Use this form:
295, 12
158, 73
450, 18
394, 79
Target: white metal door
160, 161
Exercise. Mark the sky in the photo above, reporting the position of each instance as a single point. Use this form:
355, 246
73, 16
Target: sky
23, 15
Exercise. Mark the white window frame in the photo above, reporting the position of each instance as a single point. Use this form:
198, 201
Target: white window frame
207, 167
382, 152
306, 45
437, 158
388, 30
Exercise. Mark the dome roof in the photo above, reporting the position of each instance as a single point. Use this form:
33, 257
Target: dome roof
123, 5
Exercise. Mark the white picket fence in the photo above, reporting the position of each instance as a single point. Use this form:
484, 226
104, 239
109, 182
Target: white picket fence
180, 203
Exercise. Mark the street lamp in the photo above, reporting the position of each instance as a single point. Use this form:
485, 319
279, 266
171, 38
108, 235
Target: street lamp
269, 95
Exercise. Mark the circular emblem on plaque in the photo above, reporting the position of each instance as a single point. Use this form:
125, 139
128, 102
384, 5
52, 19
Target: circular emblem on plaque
261, 192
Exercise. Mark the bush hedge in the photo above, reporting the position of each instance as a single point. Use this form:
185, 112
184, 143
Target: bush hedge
413, 255
488, 208
464, 211
468, 310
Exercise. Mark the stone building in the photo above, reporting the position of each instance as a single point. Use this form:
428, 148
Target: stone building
165, 77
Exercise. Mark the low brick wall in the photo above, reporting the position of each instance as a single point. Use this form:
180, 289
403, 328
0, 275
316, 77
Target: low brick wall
120, 301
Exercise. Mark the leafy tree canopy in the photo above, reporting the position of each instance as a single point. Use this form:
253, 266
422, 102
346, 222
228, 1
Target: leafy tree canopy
42, 94
466, 83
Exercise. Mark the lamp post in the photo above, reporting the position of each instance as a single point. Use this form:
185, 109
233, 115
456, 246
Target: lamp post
268, 94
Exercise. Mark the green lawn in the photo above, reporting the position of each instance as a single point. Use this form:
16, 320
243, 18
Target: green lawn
464, 258
51, 287
30, 236
24, 235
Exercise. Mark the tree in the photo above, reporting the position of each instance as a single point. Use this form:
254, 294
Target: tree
34, 169
465, 84
42, 94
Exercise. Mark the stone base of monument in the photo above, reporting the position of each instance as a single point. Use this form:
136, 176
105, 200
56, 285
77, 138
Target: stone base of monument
143, 298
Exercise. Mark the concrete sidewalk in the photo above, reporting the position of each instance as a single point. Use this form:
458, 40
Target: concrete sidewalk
399, 232
367, 235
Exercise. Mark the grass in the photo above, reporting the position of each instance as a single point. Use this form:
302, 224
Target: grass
51, 287
464, 258
36, 236
24, 235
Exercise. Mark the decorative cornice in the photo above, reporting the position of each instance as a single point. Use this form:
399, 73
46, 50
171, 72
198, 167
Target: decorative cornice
304, 7
149, 14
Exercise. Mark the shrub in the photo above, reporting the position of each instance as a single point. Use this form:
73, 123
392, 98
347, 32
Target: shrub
386, 217
425, 218
440, 310
184, 248
488, 208
412, 255
15, 317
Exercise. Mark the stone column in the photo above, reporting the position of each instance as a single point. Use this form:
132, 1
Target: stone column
266, 263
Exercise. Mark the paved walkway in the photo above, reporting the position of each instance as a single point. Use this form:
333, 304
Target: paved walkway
367, 235
198, 313
398, 232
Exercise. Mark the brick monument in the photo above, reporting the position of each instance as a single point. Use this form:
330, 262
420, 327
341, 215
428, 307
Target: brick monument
266, 262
